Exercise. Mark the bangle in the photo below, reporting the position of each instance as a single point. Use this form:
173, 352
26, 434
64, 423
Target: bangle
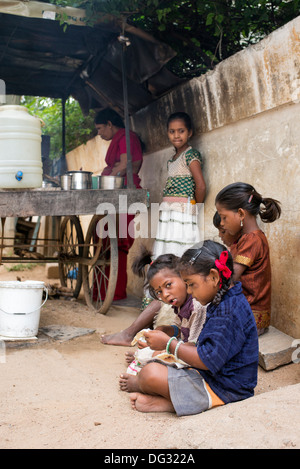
177, 347
176, 331
168, 344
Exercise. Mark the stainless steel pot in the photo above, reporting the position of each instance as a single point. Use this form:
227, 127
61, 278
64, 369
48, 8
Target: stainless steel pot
111, 182
80, 179
48, 185
65, 182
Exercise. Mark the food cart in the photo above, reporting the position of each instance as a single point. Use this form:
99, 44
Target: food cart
110, 64
88, 261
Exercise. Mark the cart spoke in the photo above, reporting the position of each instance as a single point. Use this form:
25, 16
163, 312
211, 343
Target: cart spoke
99, 278
71, 240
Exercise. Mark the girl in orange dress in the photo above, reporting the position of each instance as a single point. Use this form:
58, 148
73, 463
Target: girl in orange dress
238, 205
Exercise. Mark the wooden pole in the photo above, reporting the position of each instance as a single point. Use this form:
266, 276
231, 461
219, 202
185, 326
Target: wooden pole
130, 184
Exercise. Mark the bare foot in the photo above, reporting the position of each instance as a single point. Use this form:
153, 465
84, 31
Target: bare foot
119, 338
129, 383
129, 357
147, 403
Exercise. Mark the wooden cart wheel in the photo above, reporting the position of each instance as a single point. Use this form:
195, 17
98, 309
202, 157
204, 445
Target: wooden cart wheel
99, 274
71, 248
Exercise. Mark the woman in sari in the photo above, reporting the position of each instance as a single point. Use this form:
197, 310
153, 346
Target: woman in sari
110, 127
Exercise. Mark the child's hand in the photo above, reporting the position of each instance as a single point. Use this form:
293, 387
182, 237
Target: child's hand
142, 344
156, 340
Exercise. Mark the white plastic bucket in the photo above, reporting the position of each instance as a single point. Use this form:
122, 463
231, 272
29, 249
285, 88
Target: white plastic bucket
20, 149
20, 305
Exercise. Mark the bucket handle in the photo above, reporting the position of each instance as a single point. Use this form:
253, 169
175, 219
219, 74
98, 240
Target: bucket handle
30, 312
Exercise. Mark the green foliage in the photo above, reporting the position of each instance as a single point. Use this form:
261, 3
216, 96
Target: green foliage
21, 267
201, 32
79, 128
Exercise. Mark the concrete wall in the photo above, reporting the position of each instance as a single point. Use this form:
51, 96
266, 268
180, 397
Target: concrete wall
246, 114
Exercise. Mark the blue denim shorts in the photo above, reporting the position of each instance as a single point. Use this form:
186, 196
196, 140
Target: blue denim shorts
188, 391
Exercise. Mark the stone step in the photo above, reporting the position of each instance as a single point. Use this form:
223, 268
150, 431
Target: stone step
276, 349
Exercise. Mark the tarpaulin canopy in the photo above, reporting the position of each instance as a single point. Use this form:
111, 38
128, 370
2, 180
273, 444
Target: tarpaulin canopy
41, 57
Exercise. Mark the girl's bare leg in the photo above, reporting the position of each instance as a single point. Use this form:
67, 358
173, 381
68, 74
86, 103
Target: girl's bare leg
154, 393
129, 383
152, 379
144, 320
147, 403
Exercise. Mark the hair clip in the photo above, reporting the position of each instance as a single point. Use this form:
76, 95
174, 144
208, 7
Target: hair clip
195, 257
251, 196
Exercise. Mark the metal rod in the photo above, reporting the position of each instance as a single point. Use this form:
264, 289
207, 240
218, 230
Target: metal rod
35, 234
130, 184
63, 103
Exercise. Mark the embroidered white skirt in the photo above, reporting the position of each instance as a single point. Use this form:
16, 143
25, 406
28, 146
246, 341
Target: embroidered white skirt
177, 231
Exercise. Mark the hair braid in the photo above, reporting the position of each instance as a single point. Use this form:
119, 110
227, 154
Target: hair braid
243, 195
224, 288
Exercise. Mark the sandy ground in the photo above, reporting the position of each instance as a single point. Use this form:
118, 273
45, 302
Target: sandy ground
57, 395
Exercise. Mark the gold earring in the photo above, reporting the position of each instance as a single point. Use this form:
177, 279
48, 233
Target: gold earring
242, 224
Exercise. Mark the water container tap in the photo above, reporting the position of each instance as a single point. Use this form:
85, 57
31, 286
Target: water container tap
19, 175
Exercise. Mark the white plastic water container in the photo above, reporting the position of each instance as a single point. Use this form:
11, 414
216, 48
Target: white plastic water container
20, 305
20, 149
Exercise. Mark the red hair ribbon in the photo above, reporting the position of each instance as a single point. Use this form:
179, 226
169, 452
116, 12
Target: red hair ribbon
222, 267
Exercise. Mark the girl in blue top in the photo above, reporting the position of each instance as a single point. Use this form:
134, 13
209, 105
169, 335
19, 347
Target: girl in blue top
223, 366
